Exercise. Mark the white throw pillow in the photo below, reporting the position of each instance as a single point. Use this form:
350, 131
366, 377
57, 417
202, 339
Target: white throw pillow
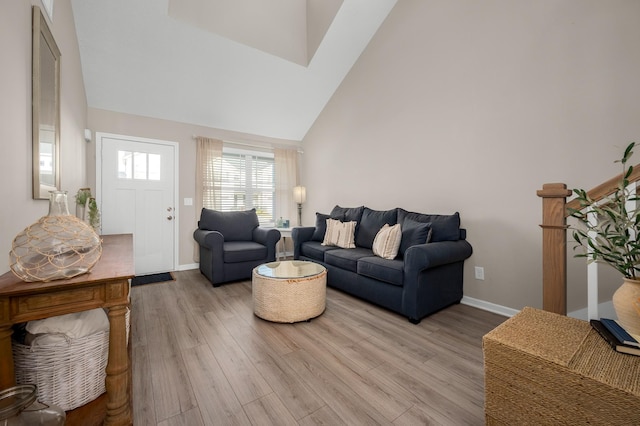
387, 241
341, 234
74, 326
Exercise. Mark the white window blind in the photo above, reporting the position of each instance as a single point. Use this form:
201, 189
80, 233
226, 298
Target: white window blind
245, 181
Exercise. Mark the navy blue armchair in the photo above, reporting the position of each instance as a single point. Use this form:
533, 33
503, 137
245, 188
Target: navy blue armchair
232, 244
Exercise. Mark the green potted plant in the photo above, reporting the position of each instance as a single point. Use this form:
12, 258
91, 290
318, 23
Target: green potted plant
82, 196
94, 214
614, 239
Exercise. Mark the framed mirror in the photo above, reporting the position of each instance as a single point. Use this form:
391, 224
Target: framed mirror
45, 108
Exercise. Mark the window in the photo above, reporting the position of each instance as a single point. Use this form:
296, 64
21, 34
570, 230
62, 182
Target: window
138, 165
246, 181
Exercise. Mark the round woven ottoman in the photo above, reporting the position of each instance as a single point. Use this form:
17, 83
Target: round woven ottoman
289, 291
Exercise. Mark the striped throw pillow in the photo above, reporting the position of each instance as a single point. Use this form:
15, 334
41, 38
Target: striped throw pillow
387, 241
341, 234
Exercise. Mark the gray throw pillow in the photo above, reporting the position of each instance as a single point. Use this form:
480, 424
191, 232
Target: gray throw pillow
321, 227
414, 233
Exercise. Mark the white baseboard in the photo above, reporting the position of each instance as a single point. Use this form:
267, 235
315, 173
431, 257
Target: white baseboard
605, 310
488, 306
188, 266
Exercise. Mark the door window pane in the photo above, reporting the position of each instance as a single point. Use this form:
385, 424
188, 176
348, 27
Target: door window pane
125, 165
154, 166
139, 165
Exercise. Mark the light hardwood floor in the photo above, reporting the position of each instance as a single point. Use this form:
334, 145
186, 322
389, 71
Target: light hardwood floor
200, 357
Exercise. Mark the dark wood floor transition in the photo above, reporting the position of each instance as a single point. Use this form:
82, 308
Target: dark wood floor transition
200, 357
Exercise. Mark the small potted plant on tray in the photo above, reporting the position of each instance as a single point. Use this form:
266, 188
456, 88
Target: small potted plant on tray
610, 233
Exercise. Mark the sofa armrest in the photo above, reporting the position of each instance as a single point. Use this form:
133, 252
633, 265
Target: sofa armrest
301, 234
430, 255
209, 239
433, 275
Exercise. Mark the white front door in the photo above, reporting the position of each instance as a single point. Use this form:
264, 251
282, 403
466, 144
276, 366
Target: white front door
137, 195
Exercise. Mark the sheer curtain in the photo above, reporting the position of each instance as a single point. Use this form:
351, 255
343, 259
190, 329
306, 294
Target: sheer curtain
208, 163
286, 177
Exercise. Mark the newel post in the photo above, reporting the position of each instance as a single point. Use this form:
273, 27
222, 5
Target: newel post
554, 247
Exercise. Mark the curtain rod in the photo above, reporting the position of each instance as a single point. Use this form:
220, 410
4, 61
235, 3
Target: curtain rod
257, 144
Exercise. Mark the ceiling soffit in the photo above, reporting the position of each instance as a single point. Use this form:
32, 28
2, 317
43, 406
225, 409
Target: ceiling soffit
289, 29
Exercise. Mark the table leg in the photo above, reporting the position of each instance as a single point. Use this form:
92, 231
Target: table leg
284, 248
7, 372
118, 401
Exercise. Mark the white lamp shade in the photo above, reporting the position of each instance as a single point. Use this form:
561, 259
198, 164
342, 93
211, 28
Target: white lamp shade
299, 194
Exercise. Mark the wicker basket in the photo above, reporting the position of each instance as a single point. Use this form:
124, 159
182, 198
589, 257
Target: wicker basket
68, 374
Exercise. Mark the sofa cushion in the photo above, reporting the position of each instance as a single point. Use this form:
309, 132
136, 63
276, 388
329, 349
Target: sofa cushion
243, 251
387, 241
315, 250
346, 258
370, 224
321, 227
414, 233
386, 270
234, 226
346, 214
341, 234
444, 227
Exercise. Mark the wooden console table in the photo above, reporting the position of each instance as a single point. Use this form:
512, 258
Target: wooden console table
545, 368
105, 286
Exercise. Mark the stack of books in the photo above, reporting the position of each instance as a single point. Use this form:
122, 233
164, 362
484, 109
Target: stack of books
617, 337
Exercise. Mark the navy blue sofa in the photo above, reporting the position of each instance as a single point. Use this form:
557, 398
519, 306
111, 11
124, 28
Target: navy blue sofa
425, 277
232, 244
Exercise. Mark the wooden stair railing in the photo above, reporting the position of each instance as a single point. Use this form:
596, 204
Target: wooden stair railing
555, 211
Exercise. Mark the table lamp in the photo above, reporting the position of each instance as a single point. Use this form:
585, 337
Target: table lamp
299, 196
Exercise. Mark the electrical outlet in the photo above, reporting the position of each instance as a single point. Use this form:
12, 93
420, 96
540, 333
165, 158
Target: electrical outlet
479, 273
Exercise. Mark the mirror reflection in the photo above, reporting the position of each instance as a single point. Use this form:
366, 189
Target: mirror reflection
46, 108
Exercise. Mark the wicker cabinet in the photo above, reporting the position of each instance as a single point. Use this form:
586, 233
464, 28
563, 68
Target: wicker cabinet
544, 368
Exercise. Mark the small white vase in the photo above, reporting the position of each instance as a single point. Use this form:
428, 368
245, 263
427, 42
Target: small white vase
626, 302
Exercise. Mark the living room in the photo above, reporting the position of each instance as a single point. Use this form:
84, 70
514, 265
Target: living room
453, 106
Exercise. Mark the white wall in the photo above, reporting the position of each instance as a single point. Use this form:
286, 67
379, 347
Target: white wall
18, 208
471, 106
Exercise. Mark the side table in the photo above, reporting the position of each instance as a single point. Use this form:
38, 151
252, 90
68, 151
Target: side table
545, 368
284, 234
105, 286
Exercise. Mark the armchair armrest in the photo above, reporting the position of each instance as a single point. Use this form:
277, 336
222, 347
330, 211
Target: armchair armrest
268, 237
210, 250
300, 234
209, 239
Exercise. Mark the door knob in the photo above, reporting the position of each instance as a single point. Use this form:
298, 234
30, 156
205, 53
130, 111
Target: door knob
169, 217
169, 209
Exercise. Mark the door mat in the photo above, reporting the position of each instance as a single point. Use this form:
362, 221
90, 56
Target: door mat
152, 278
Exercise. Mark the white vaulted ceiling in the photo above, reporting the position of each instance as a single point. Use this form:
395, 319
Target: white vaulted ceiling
264, 67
